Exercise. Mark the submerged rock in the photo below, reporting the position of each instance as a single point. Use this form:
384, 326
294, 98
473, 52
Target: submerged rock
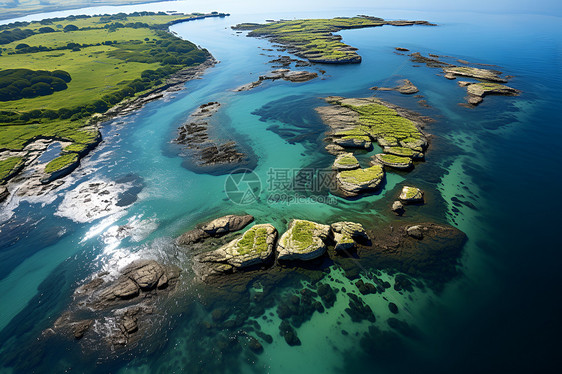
411, 195
415, 232
345, 161
346, 234
405, 87
304, 240
215, 228
354, 182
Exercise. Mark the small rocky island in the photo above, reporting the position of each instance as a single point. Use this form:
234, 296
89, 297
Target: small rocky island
284, 74
314, 39
204, 154
486, 81
355, 124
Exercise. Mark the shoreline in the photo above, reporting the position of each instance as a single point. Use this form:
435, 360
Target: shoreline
14, 15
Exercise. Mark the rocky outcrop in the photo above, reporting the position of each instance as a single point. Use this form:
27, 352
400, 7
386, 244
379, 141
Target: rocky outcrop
477, 91
415, 232
137, 278
396, 162
3, 193
303, 240
405, 87
206, 153
360, 142
62, 172
315, 40
476, 73
397, 207
345, 161
284, 74
351, 183
335, 149
404, 152
215, 228
254, 247
347, 234
411, 195
357, 122
114, 310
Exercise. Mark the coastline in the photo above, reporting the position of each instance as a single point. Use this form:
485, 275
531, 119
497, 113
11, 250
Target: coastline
59, 7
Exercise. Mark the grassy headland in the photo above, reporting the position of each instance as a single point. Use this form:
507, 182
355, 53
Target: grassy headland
314, 39
88, 64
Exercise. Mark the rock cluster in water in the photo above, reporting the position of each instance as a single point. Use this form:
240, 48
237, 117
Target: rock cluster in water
486, 81
207, 152
405, 87
284, 74
258, 246
357, 123
119, 307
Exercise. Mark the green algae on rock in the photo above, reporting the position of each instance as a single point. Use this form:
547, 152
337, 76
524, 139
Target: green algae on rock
304, 240
345, 161
346, 235
314, 39
351, 183
356, 120
477, 91
254, 247
411, 195
404, 152
393, 161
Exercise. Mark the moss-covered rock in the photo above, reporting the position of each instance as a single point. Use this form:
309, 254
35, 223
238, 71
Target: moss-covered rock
253, 247
477, 91
314, 39
353, 182
304, 240
404, 152
393, 161
358, 121
345, 161
346, 235
411, 195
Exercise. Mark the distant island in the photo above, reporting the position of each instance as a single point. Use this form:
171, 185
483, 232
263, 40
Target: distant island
20, 8
314, 39
89, 65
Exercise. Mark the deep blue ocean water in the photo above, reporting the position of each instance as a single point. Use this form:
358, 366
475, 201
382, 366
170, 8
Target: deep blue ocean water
501, 312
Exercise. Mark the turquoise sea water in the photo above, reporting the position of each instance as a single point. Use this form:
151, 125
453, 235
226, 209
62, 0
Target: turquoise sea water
499, 313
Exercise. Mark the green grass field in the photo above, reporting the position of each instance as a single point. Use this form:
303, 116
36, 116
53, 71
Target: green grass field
101, 74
